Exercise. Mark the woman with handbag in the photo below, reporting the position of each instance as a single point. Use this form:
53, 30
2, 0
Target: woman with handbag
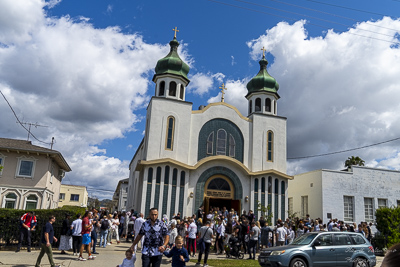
66, 235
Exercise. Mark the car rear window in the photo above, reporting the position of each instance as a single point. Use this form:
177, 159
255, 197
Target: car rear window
358, 239
342, 239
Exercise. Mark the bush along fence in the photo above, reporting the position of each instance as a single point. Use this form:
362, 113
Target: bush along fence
10, 224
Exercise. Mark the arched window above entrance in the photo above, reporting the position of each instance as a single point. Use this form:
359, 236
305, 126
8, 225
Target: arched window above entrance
219, 184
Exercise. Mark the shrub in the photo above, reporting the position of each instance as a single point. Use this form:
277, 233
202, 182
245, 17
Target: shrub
10, 223
388, 224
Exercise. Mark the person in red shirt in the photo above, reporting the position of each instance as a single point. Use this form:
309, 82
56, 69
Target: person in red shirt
27, 224
86, 239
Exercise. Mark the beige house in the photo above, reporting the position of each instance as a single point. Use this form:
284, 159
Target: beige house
73, 195
31, 175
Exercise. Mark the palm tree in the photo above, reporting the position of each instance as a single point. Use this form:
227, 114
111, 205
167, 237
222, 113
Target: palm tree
354, 161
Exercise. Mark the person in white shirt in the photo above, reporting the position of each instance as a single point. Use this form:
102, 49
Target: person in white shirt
76, 227
280, 235
138, 224
192, 231
291, 234
172, 235
130, 259
220, 236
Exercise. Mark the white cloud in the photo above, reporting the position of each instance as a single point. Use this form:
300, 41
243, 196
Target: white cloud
233, 60
84, 83
201, 83
338, 92
19, 19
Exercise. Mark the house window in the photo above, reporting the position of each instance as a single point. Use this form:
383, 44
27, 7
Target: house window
232, 145
74, 197
31, 202
26, 167
170, 133
268, 105
369, 209
258, 105
382, 203
270, 146
210, 142
221, 142
62, 196
304, 206
348, 208
10, 201
1, 163
172, 88
161, 90
290, 206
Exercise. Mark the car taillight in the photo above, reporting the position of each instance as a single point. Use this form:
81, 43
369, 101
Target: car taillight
371, 248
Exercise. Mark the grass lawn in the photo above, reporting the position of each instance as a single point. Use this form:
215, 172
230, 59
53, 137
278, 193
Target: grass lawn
230, 263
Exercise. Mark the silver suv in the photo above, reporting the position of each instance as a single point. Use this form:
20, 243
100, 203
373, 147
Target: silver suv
321, 249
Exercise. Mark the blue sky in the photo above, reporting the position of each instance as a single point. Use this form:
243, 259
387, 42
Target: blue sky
84, 68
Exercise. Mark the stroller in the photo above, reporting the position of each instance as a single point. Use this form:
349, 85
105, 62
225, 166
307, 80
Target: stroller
232, 249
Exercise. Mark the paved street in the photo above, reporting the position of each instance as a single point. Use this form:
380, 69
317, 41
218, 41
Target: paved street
108, 257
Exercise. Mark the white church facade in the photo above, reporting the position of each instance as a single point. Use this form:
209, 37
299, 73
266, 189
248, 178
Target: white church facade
214, 156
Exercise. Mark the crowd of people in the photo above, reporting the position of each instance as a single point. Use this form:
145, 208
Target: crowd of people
219, 231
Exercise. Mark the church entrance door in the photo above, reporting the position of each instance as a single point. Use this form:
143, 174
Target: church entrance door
219, 192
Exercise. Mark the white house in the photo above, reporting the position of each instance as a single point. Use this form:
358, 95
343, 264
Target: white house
213, 156
351, 195
120, 196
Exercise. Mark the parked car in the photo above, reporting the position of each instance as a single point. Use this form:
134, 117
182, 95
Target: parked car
321, 249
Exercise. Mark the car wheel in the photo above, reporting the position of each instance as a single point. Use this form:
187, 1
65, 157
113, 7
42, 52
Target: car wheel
298, 262
360, 262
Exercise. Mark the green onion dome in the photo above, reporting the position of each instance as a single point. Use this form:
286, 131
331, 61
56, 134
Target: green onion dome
263, 82
172, 63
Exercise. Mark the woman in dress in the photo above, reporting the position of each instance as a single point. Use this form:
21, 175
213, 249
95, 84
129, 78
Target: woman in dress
66, 235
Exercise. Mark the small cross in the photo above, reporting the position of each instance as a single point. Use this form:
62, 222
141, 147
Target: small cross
263, 49
223, 88
175, 30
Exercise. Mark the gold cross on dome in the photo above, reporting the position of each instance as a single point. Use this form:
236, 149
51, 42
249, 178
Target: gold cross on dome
223, 88
263, 49
175, 30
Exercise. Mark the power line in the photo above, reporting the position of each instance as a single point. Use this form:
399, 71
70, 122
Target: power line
304, 15
290, 19
347, 150
349, 8
332, 14
18, 121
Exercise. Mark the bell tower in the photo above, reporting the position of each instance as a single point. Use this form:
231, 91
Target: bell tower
263, 91
171, 74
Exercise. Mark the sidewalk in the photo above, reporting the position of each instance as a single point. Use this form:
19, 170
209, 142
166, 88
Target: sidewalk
110, 256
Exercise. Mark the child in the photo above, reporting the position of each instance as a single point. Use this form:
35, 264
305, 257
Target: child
130, 259
178, 253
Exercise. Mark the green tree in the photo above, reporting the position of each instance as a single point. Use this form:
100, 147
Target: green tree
1, 167
350, 161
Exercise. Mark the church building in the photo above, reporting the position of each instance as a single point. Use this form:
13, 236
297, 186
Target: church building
213, 156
